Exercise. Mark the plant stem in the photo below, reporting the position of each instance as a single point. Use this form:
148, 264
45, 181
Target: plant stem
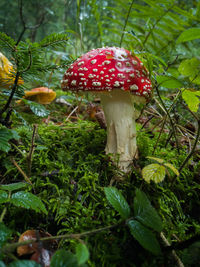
161, 130
125, 24
5, 209
157, 21
19, 150
165, 118
25, 26
23, 22
170, 119
194, 145
11, 247
192, 150
26, 178
3, 214
173, 253
30, 154
7, 105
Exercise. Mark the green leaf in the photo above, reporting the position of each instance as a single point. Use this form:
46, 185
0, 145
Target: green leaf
5, 136
24, 263
156, 159
154, 172
63, 258
14, 135
5, 234
116, 199
185, 13
13, 186
191, 99
189, 35
2, 264
168, 81
82, 253
38, 109
3, 197
187, 66
169, 165
145, 213
28, 200
144, 236
191, 69
158, 59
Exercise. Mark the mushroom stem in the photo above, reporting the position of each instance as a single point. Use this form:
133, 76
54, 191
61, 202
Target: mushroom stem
120, 117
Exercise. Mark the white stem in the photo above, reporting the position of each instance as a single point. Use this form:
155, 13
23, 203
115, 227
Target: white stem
120, 117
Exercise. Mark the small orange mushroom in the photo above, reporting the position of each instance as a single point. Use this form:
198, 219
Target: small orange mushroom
40, 251
30, 248
7, 73
41, 95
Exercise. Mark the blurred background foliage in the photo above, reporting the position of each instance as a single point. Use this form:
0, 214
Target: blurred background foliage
41, 38
153, 25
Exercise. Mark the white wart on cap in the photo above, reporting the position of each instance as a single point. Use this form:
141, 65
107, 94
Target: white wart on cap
106, 69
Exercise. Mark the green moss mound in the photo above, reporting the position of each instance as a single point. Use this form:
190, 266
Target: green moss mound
69, 171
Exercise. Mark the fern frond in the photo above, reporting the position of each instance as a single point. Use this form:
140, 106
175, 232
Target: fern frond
6, 41
185, 13
96, 14
54, 39
154, 23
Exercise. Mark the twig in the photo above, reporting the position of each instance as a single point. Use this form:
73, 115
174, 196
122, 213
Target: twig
154, 110
194, 145
170, 119
25, 27
157, 124
182, 133
183, 244
165, 117
193, 148
71, 113
30, 154
22, 172
148, 120
11, 247
23, 22
173, 253
162, 127
171, 63
187, 131
125, 24
169, 138
7, 105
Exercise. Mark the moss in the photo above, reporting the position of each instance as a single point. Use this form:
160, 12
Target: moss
69, 171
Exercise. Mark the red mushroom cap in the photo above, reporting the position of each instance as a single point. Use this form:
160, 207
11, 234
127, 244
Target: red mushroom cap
106, 69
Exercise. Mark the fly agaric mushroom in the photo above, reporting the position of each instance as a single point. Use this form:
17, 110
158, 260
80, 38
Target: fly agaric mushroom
7, 73
41, 95
122, 83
